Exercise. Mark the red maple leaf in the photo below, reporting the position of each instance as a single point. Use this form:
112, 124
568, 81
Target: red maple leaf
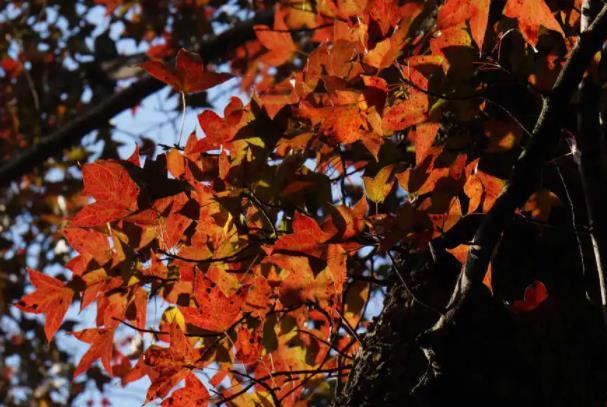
194, 394
455, 12
102, 346
189, 74
215, 312
535, 294
531, 14
115, 191
166, 367
89, 243
52, 298
278, 41
220, 131
306, 237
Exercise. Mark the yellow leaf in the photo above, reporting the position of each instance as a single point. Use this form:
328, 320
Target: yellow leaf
378, 187
172, 314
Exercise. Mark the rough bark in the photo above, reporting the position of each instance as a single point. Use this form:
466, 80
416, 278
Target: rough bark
390, 363
550, 357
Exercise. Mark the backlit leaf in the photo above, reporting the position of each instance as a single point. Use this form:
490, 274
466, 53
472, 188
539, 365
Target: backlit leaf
189, 74
51, 298
535, 294
378, 187
277, 40
531, 15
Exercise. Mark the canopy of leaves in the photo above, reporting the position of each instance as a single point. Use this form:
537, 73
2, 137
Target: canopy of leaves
368, 127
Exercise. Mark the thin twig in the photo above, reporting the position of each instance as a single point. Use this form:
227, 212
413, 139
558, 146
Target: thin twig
233, 258
411, 293
370, 279
157, 332
295, 30
573, 221
332, 347
469, 97
259, 206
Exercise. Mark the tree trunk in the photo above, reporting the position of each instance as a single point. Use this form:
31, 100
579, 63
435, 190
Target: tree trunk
553, 356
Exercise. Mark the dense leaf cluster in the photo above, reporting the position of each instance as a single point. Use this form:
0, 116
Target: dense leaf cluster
374, 127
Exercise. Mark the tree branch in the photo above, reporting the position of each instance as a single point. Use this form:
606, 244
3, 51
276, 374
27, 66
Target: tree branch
589, 158
211, 50
523, 182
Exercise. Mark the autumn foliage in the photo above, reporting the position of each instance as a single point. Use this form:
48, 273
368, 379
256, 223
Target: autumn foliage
381, 132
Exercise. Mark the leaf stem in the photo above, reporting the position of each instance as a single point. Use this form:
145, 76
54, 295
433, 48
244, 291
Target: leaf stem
182, 123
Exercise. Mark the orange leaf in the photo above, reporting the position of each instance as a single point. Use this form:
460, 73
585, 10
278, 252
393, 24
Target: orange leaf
248, 343
139, 307
306, 237
163, 73
194, 394
278, 41
215, 128
102, 346
385, 13
278, 96
376, 56
479, 18
423, 138
107, 180
354, 303
454, 13
194, 77
488, 279
345, 124
168, 366
113, 188
460, 252
535, 294
172, 231
285, 358
531, 14
450, 37
99, 213
503, 135
89, 242
175, 163
301, 284
215, 311
220, 131
492, 186
189, 74
473, 188
350, 8
410, 111
52, 298
350, 221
